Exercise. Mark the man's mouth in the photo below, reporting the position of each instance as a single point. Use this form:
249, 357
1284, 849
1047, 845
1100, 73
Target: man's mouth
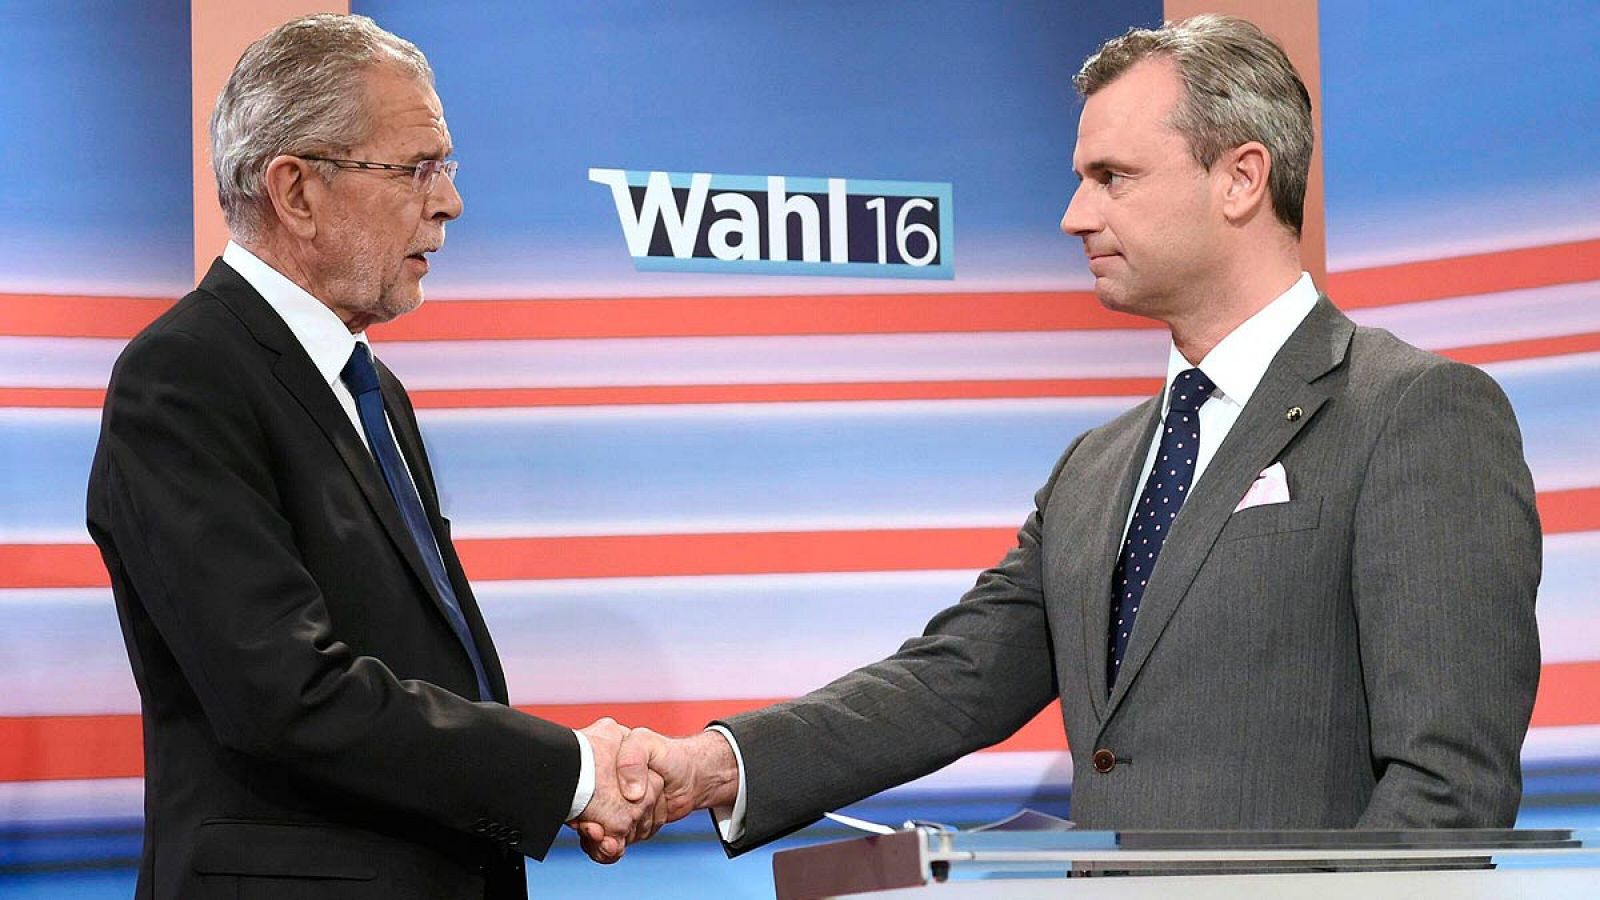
1098, 265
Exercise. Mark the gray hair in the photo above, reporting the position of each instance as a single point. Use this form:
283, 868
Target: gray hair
301, 89
1239, 86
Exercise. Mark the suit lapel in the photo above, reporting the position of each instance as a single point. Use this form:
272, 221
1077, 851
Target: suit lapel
409, 440
1125, 452
295, 371
1263, 430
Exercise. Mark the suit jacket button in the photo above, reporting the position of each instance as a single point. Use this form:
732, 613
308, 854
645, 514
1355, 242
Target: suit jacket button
1104, 760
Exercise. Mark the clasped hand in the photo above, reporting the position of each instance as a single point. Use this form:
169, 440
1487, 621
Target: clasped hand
644, 780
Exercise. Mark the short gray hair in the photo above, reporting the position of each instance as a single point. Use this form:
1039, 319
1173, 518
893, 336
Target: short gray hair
1239, 86
301, 89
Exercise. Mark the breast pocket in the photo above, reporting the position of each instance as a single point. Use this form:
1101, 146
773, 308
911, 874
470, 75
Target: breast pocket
1304, 514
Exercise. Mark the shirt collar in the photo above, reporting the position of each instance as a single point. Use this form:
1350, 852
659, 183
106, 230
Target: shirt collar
1239, 361
318, 329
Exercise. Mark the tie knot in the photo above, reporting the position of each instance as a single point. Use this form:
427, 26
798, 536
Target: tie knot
1190, 389
359, 374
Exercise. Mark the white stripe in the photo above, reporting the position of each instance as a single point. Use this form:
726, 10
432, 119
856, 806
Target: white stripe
607, 362
1543, 312
1564, 743
86, 801
1002, 515
55, 362
745, 412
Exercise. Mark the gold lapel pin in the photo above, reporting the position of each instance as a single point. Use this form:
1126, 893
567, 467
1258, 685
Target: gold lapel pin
1294, 414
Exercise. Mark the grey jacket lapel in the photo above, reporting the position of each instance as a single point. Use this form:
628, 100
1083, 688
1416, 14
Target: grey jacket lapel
1122, 473
1317, 347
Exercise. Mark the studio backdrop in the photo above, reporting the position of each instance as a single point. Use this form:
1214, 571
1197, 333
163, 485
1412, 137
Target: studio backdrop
756, 338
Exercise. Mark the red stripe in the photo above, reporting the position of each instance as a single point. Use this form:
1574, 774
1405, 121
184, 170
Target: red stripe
1531, 348
47, 748
618, 556
122, 317
650, 395
50, 748
1564, 512
51, 566
749, 553
736, 553
47, 315
1569, 694
53, 398
687, 395
1462, 276
844, 391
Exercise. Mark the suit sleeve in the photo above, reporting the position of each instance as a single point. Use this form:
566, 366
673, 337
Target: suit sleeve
1446, 565
186, 504
982, 669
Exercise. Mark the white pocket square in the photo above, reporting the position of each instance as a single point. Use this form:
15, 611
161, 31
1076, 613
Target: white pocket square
1271, 486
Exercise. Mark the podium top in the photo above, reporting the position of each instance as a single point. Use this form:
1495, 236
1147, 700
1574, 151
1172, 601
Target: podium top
925, 855
1326, 844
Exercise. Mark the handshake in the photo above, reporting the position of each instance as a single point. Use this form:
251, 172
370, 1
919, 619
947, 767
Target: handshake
644, 780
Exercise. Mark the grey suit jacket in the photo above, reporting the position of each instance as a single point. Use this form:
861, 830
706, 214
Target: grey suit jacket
1364, 655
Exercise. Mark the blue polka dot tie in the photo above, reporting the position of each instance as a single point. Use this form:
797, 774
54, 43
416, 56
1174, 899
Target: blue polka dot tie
1156, 509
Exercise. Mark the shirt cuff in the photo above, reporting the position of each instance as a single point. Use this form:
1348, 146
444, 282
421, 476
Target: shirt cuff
585, 789
730, 820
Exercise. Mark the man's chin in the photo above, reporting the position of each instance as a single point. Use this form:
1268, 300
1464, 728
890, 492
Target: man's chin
395, 307
1116, 298
1110, 295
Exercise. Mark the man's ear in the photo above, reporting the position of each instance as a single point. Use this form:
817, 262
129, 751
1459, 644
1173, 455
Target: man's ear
1245, 169
295, 191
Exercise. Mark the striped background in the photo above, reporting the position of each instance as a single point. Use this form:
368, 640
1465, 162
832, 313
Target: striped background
680, 499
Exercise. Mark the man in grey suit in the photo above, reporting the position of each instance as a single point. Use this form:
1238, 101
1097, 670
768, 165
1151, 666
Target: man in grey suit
1294, 591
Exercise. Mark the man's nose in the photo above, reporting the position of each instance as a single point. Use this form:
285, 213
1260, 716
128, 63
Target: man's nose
1079, 218
444, 201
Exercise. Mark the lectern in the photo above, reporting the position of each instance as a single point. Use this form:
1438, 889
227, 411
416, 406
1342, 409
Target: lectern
927, 864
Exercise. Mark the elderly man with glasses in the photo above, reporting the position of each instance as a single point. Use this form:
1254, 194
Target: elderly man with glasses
324, 711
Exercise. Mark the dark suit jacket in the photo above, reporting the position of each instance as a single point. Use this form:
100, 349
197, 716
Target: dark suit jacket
1364, 655
305, 727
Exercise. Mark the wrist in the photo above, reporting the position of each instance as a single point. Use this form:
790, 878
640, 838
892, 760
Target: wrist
718, 782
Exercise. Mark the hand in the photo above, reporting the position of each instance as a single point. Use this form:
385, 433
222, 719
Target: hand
697, 772
611, 821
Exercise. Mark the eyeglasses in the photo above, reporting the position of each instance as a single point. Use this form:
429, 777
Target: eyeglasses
424, 175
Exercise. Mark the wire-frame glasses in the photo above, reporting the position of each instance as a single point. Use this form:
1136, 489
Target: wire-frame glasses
424, 175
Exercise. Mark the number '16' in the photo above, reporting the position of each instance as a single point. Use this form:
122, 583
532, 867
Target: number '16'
903, 230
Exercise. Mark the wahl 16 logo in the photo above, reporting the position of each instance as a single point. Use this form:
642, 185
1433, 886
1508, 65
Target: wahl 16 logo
700, 222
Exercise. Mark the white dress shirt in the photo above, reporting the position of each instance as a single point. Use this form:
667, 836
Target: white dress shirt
329, 344
1236, 366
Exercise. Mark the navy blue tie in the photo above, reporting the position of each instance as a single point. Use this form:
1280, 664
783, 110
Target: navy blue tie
1156, 509
362, 378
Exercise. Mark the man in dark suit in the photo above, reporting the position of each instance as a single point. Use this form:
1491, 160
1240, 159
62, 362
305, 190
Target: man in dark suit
1295, 590
324, 712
